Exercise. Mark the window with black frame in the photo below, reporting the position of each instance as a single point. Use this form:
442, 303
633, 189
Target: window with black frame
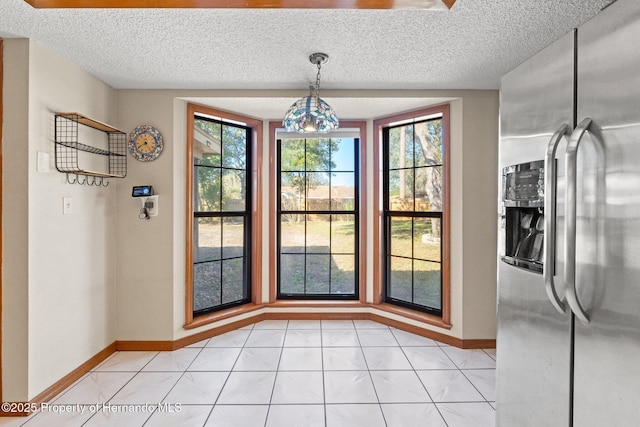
221, 215
318, 218
413, 212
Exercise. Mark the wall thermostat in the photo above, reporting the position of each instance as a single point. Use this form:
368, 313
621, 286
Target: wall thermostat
142, 191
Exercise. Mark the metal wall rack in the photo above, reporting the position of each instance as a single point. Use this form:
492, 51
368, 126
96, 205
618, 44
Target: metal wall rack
68, 147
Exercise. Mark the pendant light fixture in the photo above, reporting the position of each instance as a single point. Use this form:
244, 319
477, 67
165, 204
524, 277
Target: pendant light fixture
311, 114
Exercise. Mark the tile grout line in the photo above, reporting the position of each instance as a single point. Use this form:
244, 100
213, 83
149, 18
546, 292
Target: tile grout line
420, 379
77, 382
206, 420
384, 419
123, 386
472, 384
324, 389
228, 375
176, 383
275, 379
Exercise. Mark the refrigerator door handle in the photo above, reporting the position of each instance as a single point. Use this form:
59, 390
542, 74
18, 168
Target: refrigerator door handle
570, 218
550, 182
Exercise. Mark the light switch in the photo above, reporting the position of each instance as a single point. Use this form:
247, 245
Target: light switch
67, 205
43, 161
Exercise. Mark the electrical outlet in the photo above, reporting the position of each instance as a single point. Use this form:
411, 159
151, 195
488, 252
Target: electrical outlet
67, 205
151, 204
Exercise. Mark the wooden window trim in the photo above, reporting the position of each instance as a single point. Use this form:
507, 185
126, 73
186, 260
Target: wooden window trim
256, 219
408, 313
378, 281
222, 315
273, 200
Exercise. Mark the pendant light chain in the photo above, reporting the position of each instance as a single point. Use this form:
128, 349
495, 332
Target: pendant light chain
311, 114
318, 80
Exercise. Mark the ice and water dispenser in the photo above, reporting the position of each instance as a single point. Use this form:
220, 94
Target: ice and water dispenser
523, 215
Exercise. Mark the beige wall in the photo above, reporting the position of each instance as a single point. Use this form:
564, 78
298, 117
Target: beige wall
146, 258
15, 272
479, 210
68, 294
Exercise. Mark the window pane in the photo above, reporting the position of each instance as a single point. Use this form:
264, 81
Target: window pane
207, 146
292, 235
429, 189
233, 190
428, 143
342, 154
394, 186
401, 236
318, 234
292, 155
292, 191
403, 199
400, 279
427, 284
208, 159
408, 194
400, 147
318, 155
420, 159
407, 147
292, 274
317, 191
394, 148
207, 239
233, 288
343, 274
206, 285
318, 273
426, 238
343, 234
343, 191
234, 147
233, 237
206, 181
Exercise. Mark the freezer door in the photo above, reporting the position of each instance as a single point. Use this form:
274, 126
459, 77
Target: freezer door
533, 338
607, 349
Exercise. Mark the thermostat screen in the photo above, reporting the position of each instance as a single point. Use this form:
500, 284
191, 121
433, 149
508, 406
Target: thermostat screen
142, 191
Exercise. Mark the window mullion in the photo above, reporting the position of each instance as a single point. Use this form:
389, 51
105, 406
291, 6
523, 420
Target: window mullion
330, 216
306, 207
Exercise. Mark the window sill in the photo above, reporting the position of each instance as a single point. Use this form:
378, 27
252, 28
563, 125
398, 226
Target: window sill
412, 314
316, 304
222, 315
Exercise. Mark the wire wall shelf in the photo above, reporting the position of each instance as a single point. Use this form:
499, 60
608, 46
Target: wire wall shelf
105, 158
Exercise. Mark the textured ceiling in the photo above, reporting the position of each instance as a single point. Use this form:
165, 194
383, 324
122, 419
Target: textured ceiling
467, 47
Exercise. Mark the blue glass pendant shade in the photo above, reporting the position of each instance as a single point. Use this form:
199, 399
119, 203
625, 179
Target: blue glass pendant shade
310, 114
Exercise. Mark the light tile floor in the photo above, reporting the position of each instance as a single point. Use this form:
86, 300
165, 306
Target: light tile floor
286, 374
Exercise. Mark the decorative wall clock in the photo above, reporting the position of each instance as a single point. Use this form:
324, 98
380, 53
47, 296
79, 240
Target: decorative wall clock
145, 143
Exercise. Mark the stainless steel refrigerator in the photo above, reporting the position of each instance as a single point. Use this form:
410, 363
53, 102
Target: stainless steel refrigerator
568, 342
